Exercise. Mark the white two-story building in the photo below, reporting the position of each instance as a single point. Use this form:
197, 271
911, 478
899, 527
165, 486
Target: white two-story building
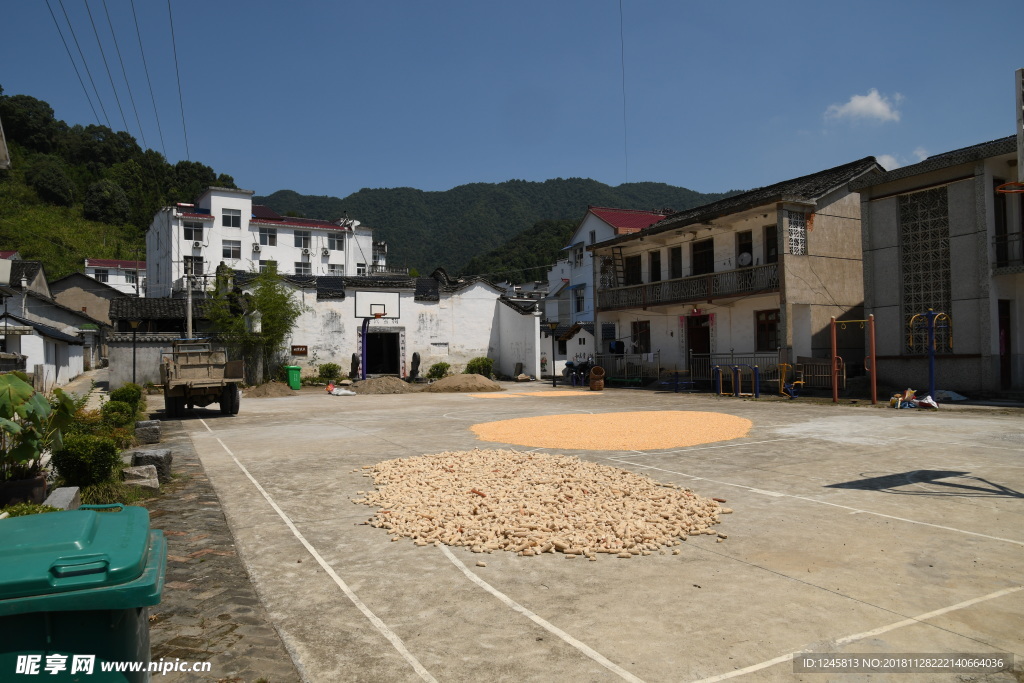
186, 242
124, 276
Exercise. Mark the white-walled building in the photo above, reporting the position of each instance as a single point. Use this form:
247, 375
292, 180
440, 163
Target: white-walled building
124, 276
223, 226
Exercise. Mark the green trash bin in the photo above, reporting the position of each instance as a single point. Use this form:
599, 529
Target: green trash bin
75, 587
294, 376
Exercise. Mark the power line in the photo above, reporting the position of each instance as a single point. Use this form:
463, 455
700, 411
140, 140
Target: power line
85, 63
181, 102
156, 112
124, 73
103, 55
77, 73
622, 56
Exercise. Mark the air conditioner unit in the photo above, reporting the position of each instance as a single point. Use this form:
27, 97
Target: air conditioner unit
197, 245
305, 251
256, 247
325, 252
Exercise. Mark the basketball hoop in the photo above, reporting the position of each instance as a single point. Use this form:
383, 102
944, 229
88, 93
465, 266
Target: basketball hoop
381, 315
1015, 187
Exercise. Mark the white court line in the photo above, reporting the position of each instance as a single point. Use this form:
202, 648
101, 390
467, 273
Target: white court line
864, 634
777, 494
959, 443
705, 448
543, 623
374, 619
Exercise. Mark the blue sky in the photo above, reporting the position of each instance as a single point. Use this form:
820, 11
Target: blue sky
330, 97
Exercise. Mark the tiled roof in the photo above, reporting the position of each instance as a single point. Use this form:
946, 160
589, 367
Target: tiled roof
427, 289
521, 307
137, 308
290, 222
114, 263
265, 212
808, 188
195, 216
45, 330
626, 220
955, 157
24, 269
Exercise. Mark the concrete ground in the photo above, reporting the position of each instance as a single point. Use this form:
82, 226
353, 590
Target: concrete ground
856, 530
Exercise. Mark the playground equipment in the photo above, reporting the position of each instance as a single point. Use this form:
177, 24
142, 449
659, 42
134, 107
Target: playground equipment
788, 388
736, 380
930, 319
869, 360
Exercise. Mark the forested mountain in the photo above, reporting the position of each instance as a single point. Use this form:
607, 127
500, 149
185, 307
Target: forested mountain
526, 256
429, 229
76, 192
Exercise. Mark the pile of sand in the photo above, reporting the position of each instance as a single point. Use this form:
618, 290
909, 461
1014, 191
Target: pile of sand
269, 390
383, 385
533, 503
463, 383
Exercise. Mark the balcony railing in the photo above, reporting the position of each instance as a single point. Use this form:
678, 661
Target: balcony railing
692, 289
377, 269
1009, 250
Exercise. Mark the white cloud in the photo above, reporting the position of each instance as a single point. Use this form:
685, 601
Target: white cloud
921, 153
888, 161
870, 106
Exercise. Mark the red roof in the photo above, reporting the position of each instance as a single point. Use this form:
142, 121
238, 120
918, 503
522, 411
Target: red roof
7, 254
114, 263
626, 220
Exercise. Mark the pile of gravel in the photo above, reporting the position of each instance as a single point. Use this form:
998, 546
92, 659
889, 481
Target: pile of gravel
455, 383
383, 385
533, 503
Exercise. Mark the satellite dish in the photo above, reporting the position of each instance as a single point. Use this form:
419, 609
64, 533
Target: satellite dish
744, 259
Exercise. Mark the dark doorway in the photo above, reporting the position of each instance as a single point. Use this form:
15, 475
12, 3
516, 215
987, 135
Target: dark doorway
698, 333
382, 350
1005, 370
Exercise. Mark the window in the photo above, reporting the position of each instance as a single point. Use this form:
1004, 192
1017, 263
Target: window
771, 244
641, 336
302, 268
231, 249
335, 269
767, 330
579, 299
360, 269
336, 241
744, 248
702, 255
654, 263
593, 236
562, 351
925, 272
231, 218
268, 265
796, 223
631, 268
268, 236
302, 239
607, 332
102, 274
193, 232
675, 262
130, 277
577, 257
193, 265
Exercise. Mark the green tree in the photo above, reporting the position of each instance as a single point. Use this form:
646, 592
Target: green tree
254, 319
106, 202
29, 122
47, 176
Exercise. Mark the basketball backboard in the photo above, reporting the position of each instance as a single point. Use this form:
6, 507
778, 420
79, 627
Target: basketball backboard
374, 304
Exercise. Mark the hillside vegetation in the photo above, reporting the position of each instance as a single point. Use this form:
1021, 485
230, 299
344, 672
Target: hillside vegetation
429, 229
77, 192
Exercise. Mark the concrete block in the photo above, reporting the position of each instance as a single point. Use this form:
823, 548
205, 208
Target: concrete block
65, 498
139, 472
160, 458
148, 431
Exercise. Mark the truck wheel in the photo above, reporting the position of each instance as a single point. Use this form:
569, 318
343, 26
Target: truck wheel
230, 400
174, 405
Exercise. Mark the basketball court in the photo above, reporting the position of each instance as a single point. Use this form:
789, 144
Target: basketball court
856, 530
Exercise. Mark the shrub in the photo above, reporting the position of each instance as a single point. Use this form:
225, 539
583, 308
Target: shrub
129, 393
86, 459
113, 491
85, 422
22, 509
118, 413
480, 366
330, 371
438, 370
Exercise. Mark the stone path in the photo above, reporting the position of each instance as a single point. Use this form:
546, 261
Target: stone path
210, 611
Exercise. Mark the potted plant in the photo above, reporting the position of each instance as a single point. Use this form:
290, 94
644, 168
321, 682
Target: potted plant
29, 427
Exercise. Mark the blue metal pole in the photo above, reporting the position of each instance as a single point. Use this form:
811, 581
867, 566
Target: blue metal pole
757, 382
931, 352
736, 381
716, 373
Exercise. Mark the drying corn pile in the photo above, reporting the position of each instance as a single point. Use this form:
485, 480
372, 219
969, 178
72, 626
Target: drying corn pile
533, 503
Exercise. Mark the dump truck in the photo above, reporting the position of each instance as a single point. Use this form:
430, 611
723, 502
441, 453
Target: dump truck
196, 374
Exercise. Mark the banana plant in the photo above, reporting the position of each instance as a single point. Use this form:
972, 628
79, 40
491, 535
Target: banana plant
29, 426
